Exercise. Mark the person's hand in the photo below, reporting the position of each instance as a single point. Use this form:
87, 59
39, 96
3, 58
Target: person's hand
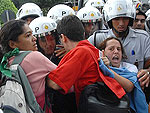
143, 77
61, 51
105, 68
105, 59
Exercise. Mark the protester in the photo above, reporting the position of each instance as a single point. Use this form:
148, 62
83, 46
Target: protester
139, 22
79, 67
17, 34
113, 50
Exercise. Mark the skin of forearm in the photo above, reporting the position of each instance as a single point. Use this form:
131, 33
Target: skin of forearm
125, 83
52, 84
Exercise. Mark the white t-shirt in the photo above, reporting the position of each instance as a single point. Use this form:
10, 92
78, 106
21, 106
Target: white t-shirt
129, 66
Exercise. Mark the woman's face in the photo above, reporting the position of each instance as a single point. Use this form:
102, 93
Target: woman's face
113, 52
26, 41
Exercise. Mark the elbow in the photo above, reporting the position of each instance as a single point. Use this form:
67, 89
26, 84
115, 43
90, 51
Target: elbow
130, 88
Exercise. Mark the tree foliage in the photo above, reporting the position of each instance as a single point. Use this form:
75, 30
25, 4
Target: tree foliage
7, 5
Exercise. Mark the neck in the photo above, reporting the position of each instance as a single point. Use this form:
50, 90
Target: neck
71, 45
120, 34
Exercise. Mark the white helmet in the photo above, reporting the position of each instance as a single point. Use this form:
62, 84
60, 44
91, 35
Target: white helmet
95, 3
147, 24
89, 14
29, 9
59, 11
147, 13
119, 8
42, 26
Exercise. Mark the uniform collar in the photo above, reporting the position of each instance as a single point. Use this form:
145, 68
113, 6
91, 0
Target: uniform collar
131, 33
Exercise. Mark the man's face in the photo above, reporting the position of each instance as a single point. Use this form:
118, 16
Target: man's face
48, 44
120, 23
139, 22
29, 20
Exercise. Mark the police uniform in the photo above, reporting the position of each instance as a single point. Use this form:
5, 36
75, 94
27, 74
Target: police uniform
136, 44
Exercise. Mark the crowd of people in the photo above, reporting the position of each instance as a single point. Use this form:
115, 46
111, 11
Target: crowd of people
70, 50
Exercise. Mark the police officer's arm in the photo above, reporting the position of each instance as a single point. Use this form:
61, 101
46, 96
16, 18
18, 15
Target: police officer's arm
143, 74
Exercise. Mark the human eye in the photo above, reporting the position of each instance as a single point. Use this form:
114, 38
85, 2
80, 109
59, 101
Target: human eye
28, 35
116, 18
111, 48
119, 49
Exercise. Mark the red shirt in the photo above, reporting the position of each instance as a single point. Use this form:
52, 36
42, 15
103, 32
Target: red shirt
79, 68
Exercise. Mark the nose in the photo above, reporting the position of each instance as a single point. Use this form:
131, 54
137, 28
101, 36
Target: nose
115, 50
34, 38
139, 22
121, 21
47, 41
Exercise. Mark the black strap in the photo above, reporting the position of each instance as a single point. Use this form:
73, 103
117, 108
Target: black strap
95, 39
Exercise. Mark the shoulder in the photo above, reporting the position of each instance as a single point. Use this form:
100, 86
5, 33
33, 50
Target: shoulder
130, 67
99, 36
140, 32
102, 31
35, 54
37, 57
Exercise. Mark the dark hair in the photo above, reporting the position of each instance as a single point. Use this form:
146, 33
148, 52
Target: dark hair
10, 31
140, 12
103, 44
72, 27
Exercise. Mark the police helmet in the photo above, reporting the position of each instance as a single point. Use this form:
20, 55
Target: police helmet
29, 10
95, 3
59, 11
42, 26
89, 14
119, 8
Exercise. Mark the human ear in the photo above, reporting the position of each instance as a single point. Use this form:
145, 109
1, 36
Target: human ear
12, 44
64, 38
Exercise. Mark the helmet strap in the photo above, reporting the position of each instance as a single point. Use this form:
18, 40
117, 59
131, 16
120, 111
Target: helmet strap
121, 34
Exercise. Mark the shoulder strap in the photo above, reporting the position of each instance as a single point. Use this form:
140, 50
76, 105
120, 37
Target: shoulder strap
29, 95
19, 58
95, 38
